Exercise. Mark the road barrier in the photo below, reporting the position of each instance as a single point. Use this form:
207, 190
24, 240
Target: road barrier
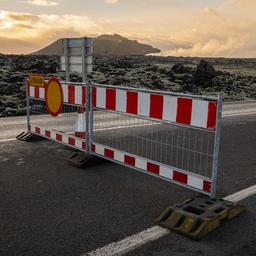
168, 135
69, 124
171, 136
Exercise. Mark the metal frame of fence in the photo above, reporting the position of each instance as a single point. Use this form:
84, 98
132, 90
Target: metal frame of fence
184, 177
60, 129
139, 132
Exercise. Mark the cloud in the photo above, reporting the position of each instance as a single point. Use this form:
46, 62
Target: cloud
217, 32
20, 17
42, 2
10, 45
245, 3
41, 29
111, 1
211, 12
228, 29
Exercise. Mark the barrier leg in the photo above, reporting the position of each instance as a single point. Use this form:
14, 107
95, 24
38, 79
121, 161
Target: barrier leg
27, 135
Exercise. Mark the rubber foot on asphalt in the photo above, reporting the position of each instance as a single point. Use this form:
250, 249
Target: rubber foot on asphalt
197, 217
28, 136
83, 160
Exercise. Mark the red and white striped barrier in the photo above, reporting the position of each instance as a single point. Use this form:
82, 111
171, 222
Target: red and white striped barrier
157, 169
80, 129
72, 94
66, 139
187, 111
182, 110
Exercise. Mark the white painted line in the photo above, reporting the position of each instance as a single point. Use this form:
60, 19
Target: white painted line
124, 126
241, 195
130, 243
151, 234
239, 114
6, 140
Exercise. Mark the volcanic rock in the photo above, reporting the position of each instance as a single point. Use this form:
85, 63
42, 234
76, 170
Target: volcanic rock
180, 69
205, 72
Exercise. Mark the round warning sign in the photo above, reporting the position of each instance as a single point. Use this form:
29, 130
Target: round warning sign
54, 97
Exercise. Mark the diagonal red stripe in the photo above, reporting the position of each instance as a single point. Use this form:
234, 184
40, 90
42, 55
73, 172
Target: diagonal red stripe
207, 186
37, 130
110, 99
71, 141
71, 94
109, 153
129, 160
184, 111
156, 106
28, 84
58, 137
36, 92
180, 177
132, 103
212, 111
48, 133
154, 168
83, 95
94, 96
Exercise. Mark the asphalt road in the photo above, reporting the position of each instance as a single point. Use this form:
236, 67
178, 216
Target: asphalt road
11, 126
49, 208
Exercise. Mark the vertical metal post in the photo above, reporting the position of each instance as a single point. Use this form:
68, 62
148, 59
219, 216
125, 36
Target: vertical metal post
84, 66
87, 113
86, 44
215, 163
90, 118
27, 105
66, 54
84, 79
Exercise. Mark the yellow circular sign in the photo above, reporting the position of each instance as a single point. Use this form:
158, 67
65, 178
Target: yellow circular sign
54, 97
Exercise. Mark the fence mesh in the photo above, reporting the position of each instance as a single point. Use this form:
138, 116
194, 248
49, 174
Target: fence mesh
185, 148
64, 122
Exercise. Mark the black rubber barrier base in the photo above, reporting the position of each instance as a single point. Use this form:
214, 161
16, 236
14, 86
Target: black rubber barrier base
197, 217
82, 160
28, 136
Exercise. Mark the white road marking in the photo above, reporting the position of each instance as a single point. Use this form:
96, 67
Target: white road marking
241, 195
151, 234
123, 126
131, 242
239, 114
101, 129
6, 140
138, 125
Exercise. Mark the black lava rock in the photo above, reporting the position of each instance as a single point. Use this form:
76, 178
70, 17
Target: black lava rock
205, 72
180, 69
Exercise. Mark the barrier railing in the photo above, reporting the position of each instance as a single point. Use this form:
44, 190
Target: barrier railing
170, 136
70, 125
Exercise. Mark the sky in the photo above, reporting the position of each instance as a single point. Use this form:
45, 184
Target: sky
213, 28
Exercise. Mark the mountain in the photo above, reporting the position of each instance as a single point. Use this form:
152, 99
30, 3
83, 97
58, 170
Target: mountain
105, 45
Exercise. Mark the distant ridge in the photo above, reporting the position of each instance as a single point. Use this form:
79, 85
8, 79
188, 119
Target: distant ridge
105, 45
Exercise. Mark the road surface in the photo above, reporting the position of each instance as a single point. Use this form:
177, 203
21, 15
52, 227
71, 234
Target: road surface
11, 126
50, 208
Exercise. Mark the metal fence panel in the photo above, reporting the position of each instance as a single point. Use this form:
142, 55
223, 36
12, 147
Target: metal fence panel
171, 136
129, 124
69, 127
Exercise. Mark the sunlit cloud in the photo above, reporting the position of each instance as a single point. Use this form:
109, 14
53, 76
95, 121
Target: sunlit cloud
42, 29
211, 12
111, 1
42, 2
224, 29
245, 3
215, 33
